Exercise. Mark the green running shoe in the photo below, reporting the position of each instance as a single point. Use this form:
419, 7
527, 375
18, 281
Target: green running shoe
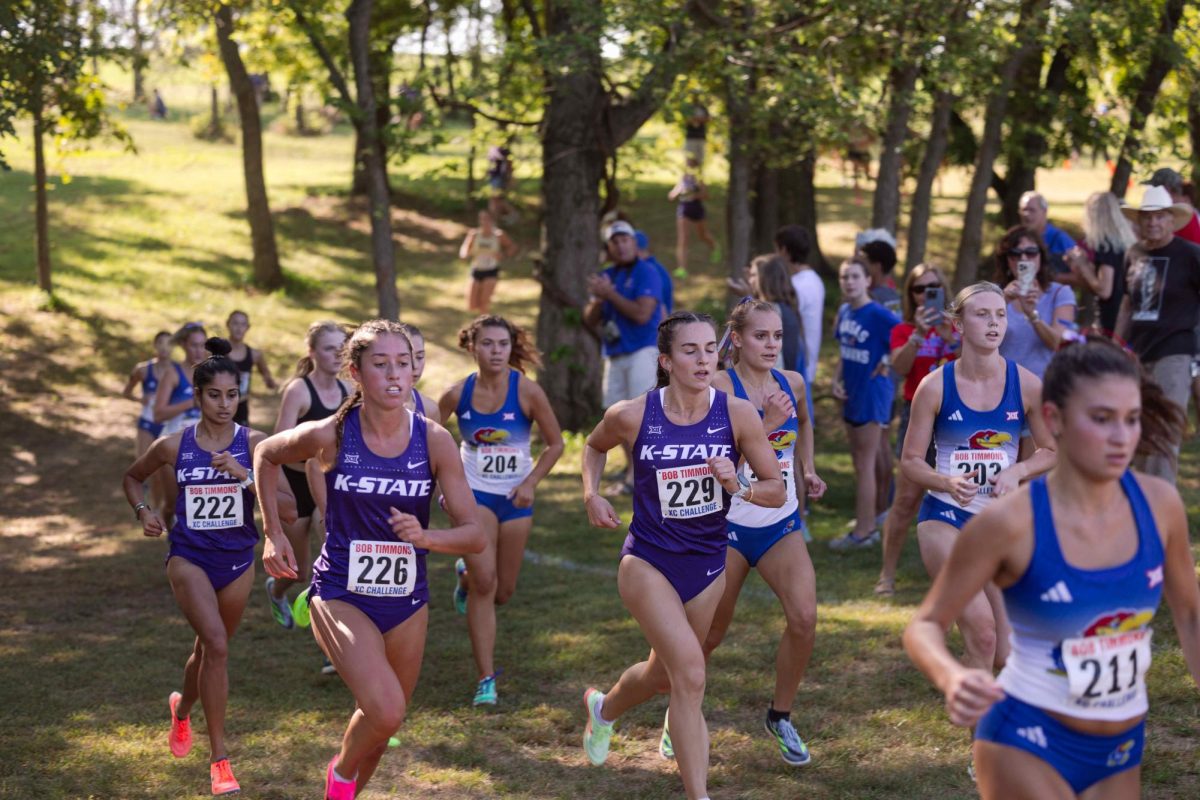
281, 609
664, 742
460, 591
595, 736
300, 613
485, 692
791, 746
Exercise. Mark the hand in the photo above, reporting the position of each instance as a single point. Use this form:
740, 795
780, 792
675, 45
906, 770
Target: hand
777, 409
408, 528
152, 524
600, 286
738, 285
1006, 482
1012, 292
272, 385
1028, 301
816, 487
226, 463
278, 559
522, 494
924, 319
969, 694
963, 490
726, 473
839, 390
600, 513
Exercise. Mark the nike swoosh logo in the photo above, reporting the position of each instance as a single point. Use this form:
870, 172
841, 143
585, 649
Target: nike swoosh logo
236, 567
411, 465
712, 572
416, 600
715, 430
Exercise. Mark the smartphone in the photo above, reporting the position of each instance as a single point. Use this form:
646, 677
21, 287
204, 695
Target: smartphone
1026, 273
935, 299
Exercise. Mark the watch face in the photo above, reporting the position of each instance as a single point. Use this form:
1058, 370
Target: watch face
743, 480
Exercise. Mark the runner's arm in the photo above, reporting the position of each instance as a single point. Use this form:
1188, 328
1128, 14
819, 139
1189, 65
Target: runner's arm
768, 491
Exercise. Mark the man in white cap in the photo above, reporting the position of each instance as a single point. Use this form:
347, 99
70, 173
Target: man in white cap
625, 304
1161, 308
1172, 181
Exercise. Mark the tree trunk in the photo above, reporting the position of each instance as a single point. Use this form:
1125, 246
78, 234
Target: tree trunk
267, 273
379, 62
931, 162
970, 245
41, 209
766, 208
804, 177
739, 221
1162, 61
138, 52
1194, 133
902, 80
214, 113
298, 102
383, 249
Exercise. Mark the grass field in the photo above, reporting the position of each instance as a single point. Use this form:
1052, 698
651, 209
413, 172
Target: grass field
90, 639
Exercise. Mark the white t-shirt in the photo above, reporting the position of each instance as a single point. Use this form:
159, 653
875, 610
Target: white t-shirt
810, 292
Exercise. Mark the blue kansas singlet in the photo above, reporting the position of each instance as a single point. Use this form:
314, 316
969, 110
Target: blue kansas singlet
1081, 637
977, 444
362, 556
183, 391
678, 505
212, 512
495, 447
783, 445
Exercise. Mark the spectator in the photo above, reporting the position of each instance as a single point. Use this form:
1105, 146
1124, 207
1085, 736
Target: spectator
1172, 181
626, 306
880, 258
158, 107
695, 130
792, 243
1037, 318
499, 177
668, 288
690, 194
1033, 210
1100, 261
1162, 294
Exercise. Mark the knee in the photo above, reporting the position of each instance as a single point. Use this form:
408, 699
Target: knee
713, 641
504, 594
981, 635
688, 681
386, 714
214, 646
482, 582
801, 619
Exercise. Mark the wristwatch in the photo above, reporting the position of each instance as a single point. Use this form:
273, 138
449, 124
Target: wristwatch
137, 510
249, 479
1034, 316
747, 489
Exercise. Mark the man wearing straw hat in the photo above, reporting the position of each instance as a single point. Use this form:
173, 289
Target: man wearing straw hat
1162, 303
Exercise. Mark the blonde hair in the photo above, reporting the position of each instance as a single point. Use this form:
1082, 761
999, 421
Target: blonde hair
1104, 226
967, 292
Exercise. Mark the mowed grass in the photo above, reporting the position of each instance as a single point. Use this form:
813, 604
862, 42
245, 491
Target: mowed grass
91, 641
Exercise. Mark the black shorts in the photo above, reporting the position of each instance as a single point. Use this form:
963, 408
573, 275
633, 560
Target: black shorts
485, 274
298, 480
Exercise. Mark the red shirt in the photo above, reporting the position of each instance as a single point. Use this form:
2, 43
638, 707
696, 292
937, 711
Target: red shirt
931, 354
1191, 231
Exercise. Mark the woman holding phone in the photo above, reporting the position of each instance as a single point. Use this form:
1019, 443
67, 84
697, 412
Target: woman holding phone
1039, 310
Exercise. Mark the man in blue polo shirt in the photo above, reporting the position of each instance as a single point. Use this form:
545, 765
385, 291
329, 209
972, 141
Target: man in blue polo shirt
626, 305
1034, 209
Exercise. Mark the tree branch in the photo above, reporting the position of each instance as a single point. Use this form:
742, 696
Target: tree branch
535, 25
335, 75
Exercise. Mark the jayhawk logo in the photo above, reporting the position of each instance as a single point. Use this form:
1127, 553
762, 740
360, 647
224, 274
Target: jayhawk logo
1120, 756
490, 435
781, 440
1107, 625
988, 440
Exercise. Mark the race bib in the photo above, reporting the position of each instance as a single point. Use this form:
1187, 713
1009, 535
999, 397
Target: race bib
785, 467
499, 463
688, 492
979, 466
1107, 671
382, 569
213, 507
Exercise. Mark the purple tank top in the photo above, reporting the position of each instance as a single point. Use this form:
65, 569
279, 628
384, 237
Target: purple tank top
362, 556
678, 505
212, 512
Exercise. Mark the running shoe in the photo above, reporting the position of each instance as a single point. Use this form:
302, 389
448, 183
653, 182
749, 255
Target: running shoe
327, 667
852, 542
335, 789
791, 746
460, 591
485, 692
300, 612
180, 737
665, 750
281, 610
223, 782
595, 736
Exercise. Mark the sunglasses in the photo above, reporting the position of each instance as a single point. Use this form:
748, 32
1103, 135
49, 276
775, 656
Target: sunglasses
1017, 252
917, 288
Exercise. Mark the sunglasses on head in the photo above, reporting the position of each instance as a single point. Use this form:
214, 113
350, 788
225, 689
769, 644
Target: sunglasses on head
1017, 252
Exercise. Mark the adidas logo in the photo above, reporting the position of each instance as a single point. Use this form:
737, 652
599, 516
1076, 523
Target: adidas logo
1033, 734
956, 416
465, 415
949, 515
1058, 593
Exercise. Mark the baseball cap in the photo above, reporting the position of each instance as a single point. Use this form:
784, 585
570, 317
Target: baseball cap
620, 226
1167, 178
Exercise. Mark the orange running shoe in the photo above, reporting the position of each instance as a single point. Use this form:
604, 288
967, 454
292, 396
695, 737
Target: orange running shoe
223, 782
180, 737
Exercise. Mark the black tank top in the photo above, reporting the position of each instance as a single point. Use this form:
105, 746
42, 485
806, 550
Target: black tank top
316, 409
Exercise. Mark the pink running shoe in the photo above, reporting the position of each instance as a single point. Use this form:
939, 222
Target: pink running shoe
335, 789
223, 782
180, 737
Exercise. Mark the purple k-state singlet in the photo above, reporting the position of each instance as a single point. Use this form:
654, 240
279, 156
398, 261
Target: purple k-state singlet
214, 516
363, 562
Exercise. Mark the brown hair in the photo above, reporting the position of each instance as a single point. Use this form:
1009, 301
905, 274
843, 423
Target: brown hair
774, 281
1011, 238
666, 337
740, 315
1163, 420
305, 365
919, 271
352, 353
524, 353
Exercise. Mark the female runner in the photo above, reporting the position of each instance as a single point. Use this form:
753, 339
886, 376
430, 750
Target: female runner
686, 439
1083, 556
973, 410
149, 374
485, 247
369, 594
247, 359
210, 563
418, 402
497, 407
